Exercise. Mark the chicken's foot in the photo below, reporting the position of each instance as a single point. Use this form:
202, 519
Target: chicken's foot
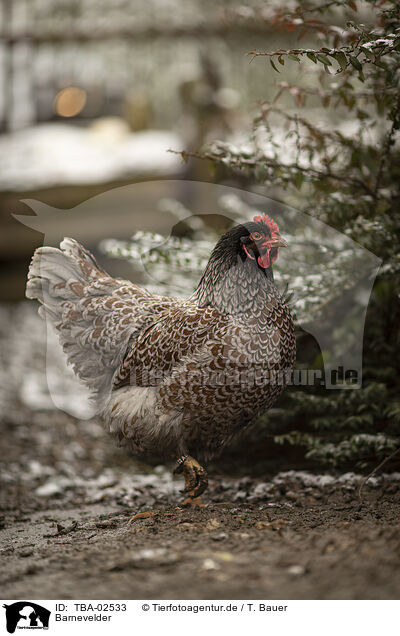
195, 480
195, 484
191, 503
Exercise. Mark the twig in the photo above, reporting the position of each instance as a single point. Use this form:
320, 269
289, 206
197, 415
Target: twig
386, 147
308, 90
324, 50
266, 108
372, 473
322, 7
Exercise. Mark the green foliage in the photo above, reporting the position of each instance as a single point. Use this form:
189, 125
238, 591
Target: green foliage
343, 168
352, 179
349, 172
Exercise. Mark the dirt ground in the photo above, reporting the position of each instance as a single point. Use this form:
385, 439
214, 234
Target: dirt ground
67, 496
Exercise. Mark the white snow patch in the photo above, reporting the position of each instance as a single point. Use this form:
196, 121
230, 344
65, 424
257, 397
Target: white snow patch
58, 154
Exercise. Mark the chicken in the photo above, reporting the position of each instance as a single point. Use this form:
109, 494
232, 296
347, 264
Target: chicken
174, 378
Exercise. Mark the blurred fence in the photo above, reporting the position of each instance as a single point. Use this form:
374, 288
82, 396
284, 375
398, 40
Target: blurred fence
110, 50
176, 65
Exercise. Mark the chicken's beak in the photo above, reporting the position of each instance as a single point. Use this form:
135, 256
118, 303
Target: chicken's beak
277, 242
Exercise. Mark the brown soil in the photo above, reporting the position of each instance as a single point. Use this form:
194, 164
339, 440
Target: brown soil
67, 495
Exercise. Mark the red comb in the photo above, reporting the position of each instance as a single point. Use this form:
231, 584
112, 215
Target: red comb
273, 228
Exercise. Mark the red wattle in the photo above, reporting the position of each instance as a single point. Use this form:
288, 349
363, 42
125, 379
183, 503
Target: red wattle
263, 260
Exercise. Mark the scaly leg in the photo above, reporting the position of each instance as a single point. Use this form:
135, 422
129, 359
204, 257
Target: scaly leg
195, 480
195, 484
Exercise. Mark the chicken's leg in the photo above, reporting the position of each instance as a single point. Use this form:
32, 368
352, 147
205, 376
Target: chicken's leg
196, 483
195, 480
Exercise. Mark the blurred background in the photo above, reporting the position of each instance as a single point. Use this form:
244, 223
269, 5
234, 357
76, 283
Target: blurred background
94, 95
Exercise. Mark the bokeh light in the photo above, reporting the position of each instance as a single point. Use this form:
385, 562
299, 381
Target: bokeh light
70, 101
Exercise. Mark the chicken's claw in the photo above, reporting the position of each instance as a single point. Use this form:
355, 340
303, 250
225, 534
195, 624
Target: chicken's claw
192, 503
195, 478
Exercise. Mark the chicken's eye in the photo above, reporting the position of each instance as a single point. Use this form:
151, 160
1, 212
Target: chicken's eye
256, 236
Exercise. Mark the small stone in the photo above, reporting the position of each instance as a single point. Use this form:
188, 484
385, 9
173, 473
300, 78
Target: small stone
209, 564
296, 570
278, 524
188, 525
212, 524
219, 537
145, 559
49, 489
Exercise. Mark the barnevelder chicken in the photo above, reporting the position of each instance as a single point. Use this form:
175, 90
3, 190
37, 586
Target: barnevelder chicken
174, 378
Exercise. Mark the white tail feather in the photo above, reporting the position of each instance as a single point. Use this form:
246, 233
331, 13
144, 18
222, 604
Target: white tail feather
78, 298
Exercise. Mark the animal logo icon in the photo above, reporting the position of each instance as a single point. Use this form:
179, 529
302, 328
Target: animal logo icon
26, 615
